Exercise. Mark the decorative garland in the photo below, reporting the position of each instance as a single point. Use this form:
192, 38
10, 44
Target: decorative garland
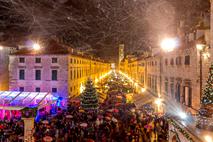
176, 134
182, 131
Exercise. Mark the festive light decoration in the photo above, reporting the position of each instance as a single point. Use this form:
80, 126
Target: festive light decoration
182, 131
207, 97
103, 76
82, 88
89, 98
136, 85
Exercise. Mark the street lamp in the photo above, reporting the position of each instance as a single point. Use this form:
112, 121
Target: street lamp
208, 138
143, 90
169, 44
36, 46
158, 102
182, 115
1, 47
201, 49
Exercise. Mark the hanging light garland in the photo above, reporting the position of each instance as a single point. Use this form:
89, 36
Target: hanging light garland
182, 131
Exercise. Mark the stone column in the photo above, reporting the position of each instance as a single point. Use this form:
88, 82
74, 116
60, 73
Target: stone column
28, 129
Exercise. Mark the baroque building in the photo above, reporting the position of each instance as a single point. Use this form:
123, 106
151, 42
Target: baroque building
55, 68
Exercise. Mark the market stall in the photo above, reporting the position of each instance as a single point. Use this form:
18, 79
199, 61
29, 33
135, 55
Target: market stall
15, 104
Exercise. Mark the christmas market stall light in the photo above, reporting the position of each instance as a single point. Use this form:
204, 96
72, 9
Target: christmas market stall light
82, 88
103, 76
25, 104
132, 81
126, 76
143, 90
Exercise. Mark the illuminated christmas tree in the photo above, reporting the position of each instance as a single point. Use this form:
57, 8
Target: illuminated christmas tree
89, 98
207, 97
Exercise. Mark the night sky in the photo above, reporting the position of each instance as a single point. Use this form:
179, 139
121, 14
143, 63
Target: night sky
97, 26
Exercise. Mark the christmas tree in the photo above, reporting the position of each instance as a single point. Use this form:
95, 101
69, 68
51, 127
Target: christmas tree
89, 98
207, 97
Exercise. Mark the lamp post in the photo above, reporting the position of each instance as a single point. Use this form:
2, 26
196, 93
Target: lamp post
167, 45
201, 48
158, 102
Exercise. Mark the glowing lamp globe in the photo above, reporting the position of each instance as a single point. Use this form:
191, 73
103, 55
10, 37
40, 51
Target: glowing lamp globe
200, 47
208, 138
182, 115
143, 90
1, 47
36, 46
169, 44
158, 101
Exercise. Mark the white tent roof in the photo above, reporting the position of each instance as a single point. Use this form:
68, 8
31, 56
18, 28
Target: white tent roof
14, 100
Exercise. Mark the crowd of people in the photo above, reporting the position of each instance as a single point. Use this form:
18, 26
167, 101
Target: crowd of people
109, 123
11, 130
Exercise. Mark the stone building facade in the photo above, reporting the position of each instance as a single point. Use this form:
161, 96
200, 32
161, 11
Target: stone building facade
176, 74
55, 68
135, 69
40, 71
153, 74
81, 68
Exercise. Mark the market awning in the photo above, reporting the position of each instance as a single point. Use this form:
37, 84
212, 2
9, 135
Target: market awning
141, 99
14, 100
